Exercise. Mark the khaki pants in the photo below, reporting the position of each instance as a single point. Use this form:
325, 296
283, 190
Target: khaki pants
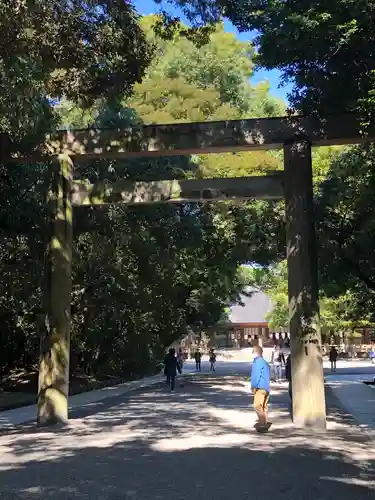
261, 398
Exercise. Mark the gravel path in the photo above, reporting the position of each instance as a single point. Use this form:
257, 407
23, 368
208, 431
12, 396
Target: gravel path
192, 445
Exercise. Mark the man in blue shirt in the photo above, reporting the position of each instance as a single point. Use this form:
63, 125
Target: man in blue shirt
260, 387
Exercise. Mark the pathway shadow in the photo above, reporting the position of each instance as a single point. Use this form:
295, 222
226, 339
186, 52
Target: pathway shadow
195, 444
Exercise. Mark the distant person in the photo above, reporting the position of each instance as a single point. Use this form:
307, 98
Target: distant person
372, 354
260, 387
171, 368
288, 375
198, 360
333, 355
277, 361
212, 360
180, 358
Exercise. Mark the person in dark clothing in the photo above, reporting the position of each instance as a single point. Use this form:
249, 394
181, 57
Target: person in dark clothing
171, 367
288, 374
212, 360
333, 355
198, 360
277, 361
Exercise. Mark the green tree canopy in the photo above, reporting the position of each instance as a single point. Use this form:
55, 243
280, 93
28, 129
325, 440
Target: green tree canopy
224, 63
325, 48
143, 276
327, 51
335, 312
50, 49
346, 228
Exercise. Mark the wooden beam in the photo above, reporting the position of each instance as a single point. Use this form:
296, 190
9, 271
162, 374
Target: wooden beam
250, 325
200, 138
178, 191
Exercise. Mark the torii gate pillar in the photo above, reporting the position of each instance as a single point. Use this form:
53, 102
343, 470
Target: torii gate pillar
53, 389
309, 409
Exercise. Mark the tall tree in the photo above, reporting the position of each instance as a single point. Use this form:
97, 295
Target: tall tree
335, 312
325, 48
50, 49
346, 228
224, 63
143, 276
188, 259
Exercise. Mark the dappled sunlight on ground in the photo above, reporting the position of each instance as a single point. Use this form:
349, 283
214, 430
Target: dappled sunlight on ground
134, 442
351, 481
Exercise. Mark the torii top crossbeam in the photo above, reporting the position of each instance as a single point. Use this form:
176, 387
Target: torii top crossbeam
201, 138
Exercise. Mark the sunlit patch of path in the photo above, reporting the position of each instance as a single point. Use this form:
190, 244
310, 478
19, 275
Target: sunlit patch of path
198, 443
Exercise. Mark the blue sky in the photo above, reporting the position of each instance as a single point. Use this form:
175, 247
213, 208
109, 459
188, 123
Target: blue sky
146, 7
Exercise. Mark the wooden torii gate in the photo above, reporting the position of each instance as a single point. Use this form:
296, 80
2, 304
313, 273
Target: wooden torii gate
296, 135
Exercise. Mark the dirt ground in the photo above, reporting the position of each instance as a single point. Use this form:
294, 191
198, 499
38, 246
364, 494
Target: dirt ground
20, 388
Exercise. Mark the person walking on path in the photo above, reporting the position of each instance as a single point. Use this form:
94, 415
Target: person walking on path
260, 387
333, 355
288, 375
198, 360
171, 368
372, 354
212, 360
180, 358
277, 361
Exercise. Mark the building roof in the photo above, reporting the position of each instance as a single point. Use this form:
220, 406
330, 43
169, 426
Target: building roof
254, 310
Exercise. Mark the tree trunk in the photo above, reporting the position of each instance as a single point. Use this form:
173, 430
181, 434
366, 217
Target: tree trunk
309, 408
55, 340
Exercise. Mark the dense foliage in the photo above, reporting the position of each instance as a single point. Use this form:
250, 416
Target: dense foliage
335, 312
347, 230
143, 276
326, 49
82, 50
